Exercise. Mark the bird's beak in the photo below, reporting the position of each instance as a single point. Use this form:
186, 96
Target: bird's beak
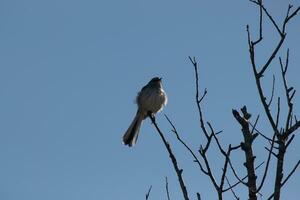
160, 78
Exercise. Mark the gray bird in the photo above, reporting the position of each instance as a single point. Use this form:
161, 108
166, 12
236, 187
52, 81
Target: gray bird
151, 99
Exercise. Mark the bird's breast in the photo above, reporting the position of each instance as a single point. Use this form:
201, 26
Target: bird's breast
152, 100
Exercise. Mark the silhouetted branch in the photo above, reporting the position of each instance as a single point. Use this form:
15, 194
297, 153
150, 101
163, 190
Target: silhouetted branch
267, 164
271, 152
283, 134
247, 148
281, 137
278, 112
272, 94
148, 193
260, 24
236, 176
209, 136
260, 4
287, 178
287, 89
292, 129
227, 158
186, 146
289, 141
289, 16
254, 125
198, 196
291, 173
231, 189
209, 172
237, 183
167, 189
173, 158
198, 100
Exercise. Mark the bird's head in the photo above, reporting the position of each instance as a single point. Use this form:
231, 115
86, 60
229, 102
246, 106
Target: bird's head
155, 80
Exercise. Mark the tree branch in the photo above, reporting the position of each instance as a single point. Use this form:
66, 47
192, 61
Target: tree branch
247, 148
198, 100
167, 189
148, 193
173, 158
186, 146
231, 189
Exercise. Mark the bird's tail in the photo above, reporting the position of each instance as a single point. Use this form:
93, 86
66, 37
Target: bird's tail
132, 133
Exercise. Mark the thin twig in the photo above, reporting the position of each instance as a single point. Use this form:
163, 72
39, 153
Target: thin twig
209, 172
148, 193
254, 125
198, 196
266, 148
278, 112
292, 129
287, 89
260, 24
237, 183
231, 189
288, 17
291, 173
198, 100
173, 159
167, 189
259, 3
241, 180
273, 87
286, 179
174, 130
267, 164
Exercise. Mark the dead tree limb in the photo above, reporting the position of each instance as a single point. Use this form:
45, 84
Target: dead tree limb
172, 157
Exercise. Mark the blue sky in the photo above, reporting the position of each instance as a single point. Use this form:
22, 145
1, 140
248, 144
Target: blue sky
69, 73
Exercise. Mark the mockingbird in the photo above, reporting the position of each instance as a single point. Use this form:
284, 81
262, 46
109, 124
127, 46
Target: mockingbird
151, 99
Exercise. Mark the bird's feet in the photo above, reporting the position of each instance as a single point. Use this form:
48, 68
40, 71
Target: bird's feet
152, 116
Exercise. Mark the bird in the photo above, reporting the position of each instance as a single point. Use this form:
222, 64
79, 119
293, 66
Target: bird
150, 100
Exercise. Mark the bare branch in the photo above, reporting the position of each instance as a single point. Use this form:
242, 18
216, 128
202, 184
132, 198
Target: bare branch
198, 196
273, 87
148, 193
271, 152
237, 183
247, 148
287, 178
167, 189
288, 16
267, 164
198, 100
259, 74
186, 146
291, 173
274, 53
279, 167
278, 112
236, 176
289, 141
287, 89
292, 129
227, 159
254, 125
231, 189
259, 3
260, 133
173, 158
210, 174
260, 24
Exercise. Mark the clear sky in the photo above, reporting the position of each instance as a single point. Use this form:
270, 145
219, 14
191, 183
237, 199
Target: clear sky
69, 73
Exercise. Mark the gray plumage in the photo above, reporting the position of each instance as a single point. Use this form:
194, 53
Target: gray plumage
152, 98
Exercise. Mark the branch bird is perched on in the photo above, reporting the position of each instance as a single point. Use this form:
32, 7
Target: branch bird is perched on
151, 99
